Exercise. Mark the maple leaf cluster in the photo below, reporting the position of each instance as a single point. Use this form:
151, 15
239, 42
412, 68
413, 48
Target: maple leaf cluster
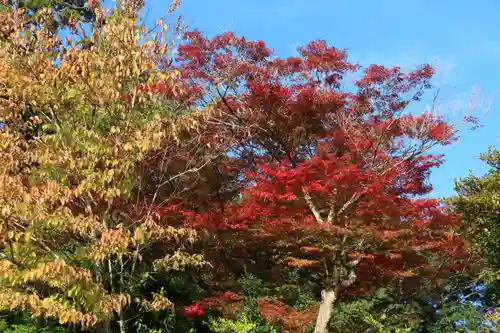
312, 156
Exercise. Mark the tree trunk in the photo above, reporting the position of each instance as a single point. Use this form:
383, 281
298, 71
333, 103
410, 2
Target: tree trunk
107, 327
328, 298
121, 323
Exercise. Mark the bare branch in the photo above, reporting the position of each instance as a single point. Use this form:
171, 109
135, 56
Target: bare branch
312, 207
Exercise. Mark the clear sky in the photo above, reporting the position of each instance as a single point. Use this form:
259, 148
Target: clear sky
460, 38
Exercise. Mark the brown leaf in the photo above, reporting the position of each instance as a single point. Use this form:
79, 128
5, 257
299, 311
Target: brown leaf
174, 5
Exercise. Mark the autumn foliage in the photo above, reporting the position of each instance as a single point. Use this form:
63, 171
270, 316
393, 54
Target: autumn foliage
122, 168
329, 178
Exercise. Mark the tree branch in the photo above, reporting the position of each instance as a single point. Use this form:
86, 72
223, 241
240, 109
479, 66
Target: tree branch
311, 205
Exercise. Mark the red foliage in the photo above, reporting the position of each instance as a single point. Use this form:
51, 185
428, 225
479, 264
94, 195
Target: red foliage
311, 164
227, 303
194, 310
92, 3
287, 318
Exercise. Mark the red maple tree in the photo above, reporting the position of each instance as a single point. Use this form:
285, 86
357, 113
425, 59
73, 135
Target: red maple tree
321, 175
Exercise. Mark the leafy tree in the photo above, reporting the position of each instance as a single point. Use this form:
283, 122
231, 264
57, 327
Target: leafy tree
477, 200
329, 179
62, 13
123, 174
74, 246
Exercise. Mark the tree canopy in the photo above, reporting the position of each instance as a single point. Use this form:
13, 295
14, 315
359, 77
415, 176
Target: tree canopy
229, 190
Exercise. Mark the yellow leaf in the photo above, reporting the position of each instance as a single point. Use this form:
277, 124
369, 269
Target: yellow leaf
127, 147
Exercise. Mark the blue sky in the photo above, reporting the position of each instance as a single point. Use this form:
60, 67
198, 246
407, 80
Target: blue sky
460, 38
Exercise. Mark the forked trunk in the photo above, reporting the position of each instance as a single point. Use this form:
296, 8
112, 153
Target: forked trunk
328, 298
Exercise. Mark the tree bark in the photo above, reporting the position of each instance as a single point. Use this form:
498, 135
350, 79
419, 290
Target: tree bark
343, 278
328, 298
121, 322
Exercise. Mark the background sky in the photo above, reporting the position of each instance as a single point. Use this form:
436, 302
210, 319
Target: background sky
461, 39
